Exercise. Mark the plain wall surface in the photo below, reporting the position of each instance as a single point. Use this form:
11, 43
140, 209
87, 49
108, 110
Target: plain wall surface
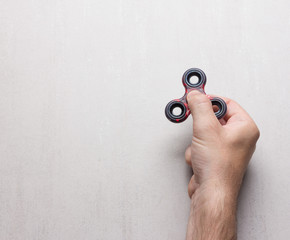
85, 149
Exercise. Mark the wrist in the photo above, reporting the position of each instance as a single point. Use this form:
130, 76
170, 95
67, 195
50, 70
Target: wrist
222, 183
211, 192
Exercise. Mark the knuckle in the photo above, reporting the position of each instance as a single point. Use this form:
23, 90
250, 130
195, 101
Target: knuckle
257, 133
206, 126
254, 132
247, 134
189, 190
197, 97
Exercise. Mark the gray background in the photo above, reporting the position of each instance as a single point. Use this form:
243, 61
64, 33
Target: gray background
85, 149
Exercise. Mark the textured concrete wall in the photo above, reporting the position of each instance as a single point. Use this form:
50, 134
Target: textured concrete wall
85, 149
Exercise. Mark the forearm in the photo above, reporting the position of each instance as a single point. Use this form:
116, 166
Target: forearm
212, 214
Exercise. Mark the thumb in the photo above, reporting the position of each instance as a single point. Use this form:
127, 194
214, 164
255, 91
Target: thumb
201, 109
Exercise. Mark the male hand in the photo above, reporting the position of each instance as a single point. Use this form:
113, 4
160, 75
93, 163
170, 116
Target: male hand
221, 149
219, 154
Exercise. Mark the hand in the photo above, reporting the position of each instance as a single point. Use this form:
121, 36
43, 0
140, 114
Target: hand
221, 149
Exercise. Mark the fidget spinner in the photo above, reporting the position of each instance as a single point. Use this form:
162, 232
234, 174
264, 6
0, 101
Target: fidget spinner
181, 103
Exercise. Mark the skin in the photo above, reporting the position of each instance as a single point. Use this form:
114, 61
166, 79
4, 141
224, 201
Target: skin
219, 155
